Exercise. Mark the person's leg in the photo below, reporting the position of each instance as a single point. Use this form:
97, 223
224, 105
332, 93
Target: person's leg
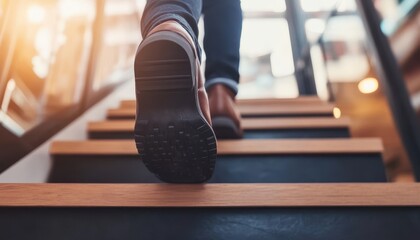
223, 27
185, 12
172, 131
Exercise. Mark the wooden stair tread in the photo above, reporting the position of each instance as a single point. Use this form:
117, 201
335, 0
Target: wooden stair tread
250, 110
247, 124
298, 100
226, 147
209, 195
286, 109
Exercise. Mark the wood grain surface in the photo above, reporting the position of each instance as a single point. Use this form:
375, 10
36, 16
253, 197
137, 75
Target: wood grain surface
247, 124
298, 100
324, 109
226, 147
209, 195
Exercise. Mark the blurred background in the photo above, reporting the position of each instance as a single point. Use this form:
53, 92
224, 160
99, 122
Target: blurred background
60, 57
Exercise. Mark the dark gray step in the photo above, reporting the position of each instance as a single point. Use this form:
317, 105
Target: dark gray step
374, 223
229, 169
249, 134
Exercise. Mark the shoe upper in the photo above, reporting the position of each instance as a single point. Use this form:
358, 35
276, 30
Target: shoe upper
223, 104
174, 26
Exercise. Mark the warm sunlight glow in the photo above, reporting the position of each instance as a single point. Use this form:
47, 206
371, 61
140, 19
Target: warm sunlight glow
337, 112
368, 85
36, 14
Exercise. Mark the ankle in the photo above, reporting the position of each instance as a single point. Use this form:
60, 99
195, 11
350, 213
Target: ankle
227, 85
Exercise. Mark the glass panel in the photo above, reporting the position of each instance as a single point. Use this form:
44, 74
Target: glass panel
121, 37
394, 12
2, 10
335, 52
345, 72
318, 5
345, 49
317, 18
263, 5
267, 66
49, 62
2, 17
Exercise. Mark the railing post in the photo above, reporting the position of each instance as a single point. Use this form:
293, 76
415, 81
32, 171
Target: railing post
301, 55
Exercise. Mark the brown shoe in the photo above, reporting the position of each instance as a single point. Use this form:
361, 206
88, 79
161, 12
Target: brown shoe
172, 131
224, 113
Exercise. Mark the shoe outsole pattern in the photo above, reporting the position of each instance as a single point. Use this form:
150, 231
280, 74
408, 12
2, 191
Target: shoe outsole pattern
173, 139
225, 128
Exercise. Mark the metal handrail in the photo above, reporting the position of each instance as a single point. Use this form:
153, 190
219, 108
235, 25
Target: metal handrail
393, 84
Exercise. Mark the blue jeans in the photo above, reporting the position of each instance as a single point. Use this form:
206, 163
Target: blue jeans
222, 26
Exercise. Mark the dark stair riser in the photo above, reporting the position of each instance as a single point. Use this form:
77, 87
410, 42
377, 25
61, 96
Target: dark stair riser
229, 169
375, 223
252, 134
127, 117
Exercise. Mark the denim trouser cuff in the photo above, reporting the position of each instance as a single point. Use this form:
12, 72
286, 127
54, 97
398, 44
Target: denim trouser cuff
231, 84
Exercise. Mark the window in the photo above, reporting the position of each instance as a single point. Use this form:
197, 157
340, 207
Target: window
49, 60
267, 67
121, 36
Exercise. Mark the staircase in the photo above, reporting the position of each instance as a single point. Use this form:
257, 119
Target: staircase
297, 174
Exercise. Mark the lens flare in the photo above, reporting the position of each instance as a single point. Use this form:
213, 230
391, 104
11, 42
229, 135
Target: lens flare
337, 112
35, 14
368, 85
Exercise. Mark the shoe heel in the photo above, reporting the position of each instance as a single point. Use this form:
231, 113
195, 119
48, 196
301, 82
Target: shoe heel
164, 75
173, 139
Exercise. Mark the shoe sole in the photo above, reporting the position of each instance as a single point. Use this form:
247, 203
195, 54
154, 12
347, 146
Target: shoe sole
173, 139
225, 128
